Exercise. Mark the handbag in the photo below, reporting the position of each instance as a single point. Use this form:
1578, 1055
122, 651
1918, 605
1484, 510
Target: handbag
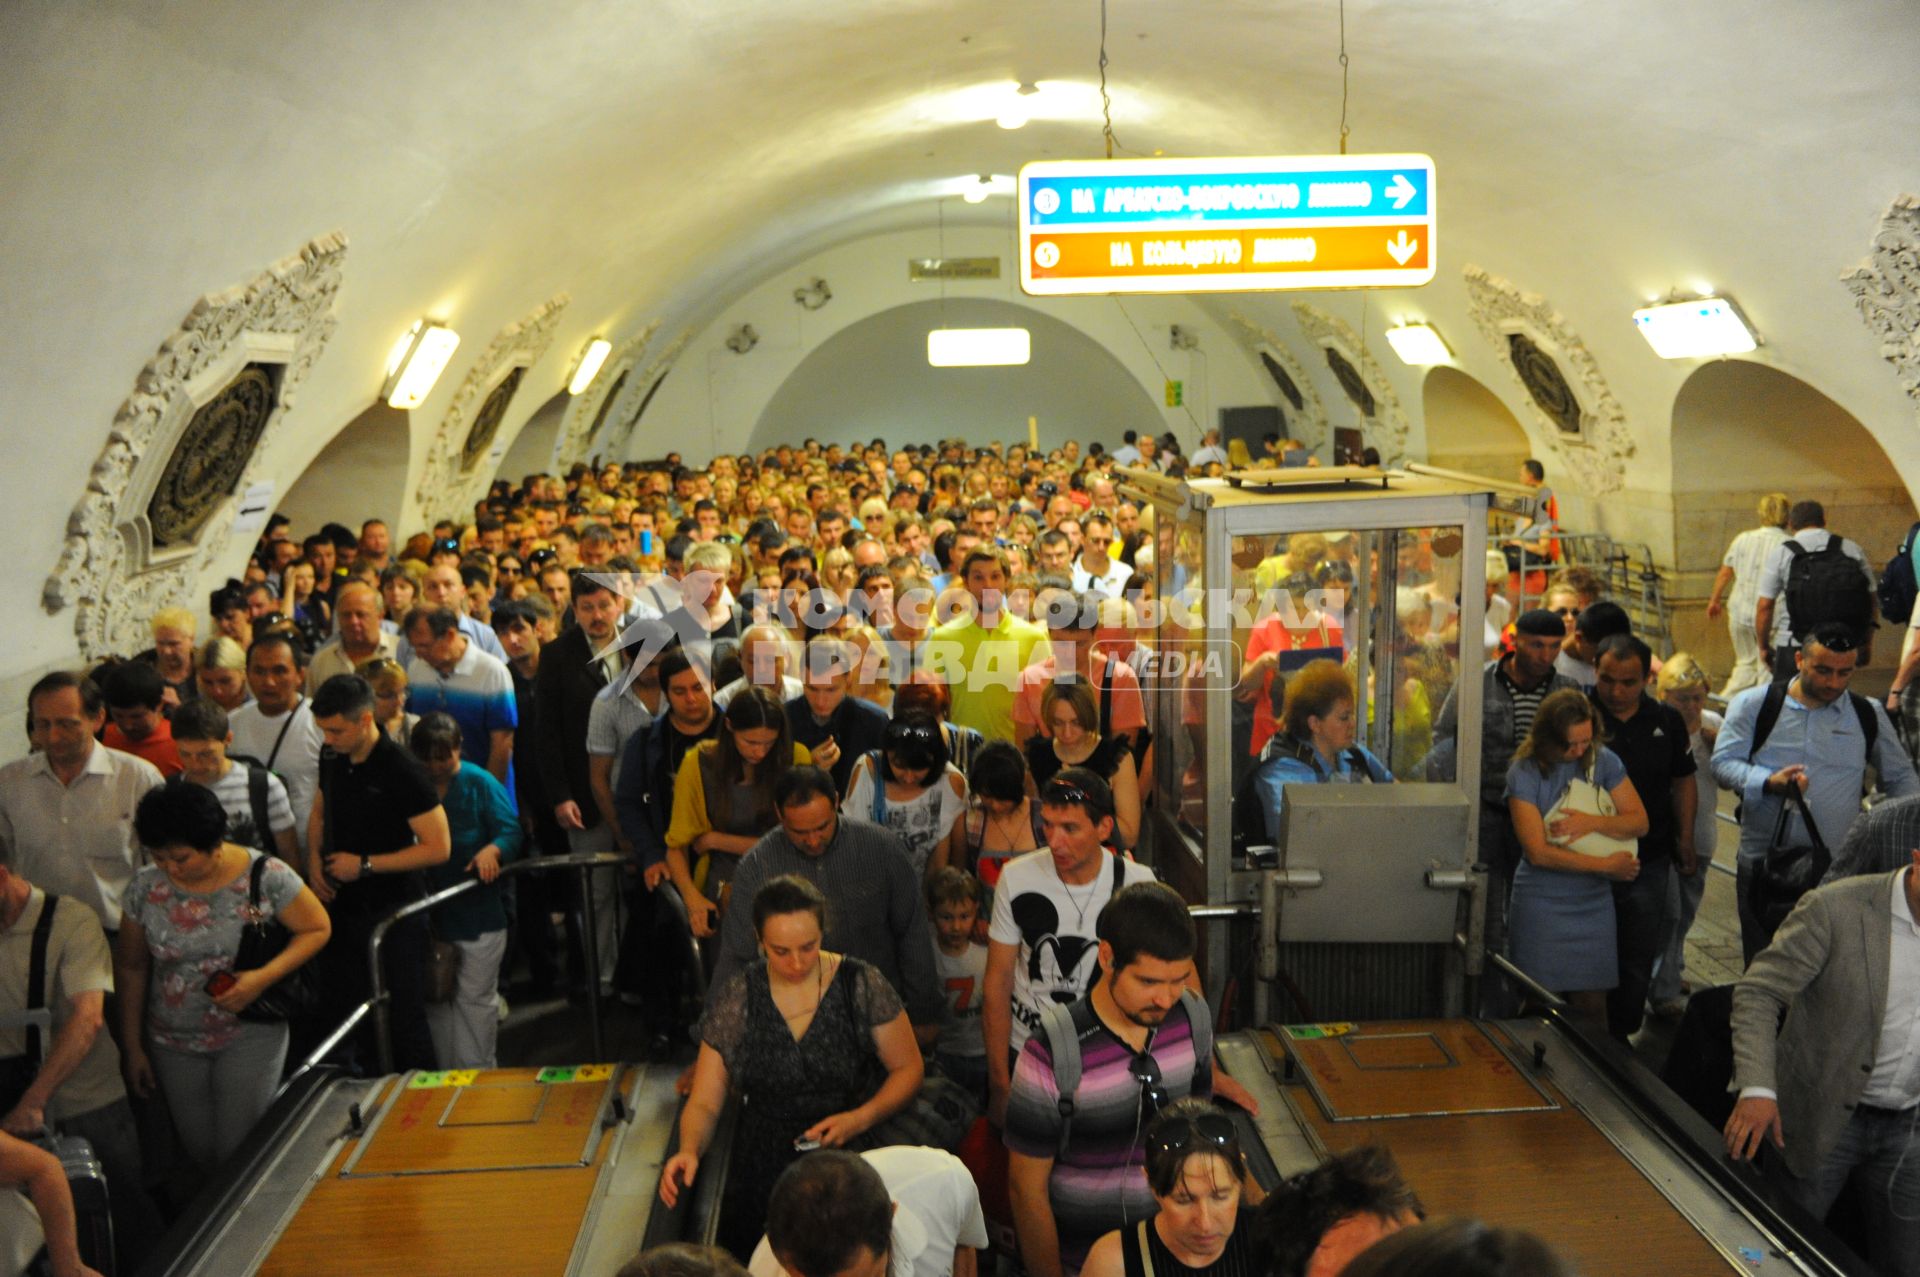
261, 941
1589, 799
443, 970
1789, 872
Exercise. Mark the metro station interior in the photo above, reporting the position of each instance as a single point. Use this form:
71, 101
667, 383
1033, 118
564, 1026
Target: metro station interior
758, 213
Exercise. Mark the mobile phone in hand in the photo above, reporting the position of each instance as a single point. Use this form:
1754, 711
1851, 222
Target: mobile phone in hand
805, 1144
220, 982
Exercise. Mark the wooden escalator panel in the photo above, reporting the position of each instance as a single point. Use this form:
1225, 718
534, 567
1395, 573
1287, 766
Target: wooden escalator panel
492, 1173
1491, 1143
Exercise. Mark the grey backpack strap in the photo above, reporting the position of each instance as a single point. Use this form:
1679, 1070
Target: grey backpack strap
1063, 1044
1200, 1021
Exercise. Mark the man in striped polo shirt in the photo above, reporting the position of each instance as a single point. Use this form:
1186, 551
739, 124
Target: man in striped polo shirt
1071, 1183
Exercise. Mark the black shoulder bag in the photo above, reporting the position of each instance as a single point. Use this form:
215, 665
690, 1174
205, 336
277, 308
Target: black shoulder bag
262, 938
1789, 871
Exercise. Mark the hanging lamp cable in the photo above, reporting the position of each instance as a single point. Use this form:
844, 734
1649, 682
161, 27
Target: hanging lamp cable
1343, 73
1106, 102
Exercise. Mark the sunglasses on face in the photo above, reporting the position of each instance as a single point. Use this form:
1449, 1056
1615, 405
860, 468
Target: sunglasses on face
1146, 1071
1210, 1130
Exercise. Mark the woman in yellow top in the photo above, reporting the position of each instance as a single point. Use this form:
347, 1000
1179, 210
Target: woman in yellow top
723, 799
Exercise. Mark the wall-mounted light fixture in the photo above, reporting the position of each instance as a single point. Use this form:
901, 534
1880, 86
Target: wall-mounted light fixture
416, 362
1419, 345
1696, 329
743, 339
1016, 113
592, 359
978, 347
814, 295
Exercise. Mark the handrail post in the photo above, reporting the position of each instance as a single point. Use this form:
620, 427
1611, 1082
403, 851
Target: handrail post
382, 1007
590, 942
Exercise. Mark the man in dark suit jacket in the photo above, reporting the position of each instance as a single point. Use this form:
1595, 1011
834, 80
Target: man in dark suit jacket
1837, 1088
573, 669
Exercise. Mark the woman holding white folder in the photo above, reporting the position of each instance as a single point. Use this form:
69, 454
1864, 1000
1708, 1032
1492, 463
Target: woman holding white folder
1576, 816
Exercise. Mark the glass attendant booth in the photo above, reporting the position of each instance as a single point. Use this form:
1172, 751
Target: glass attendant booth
1364, 891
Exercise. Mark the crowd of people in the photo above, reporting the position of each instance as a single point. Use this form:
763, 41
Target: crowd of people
863, 738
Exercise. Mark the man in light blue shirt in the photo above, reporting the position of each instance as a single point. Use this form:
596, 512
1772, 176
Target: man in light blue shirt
1818, 743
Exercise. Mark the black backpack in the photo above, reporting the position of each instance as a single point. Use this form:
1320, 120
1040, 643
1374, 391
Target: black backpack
1826, 585
1897, 586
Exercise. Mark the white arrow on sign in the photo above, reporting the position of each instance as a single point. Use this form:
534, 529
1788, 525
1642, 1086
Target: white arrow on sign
1403, 248
1400, 190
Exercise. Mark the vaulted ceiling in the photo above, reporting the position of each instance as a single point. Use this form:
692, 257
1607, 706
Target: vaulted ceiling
653, 159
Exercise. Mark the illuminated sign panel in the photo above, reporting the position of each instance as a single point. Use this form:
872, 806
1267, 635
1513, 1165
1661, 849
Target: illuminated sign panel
1226, 225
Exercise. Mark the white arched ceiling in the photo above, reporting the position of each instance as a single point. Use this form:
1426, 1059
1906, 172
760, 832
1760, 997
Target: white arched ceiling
659, 159
718, 394
531, 451
872, 380
1469, 428
1788, 437
369, 459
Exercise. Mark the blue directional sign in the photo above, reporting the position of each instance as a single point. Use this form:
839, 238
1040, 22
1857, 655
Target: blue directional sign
1215, 225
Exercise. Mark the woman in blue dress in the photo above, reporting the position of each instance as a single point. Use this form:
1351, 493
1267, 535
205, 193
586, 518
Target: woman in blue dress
1561, 919
1315, 743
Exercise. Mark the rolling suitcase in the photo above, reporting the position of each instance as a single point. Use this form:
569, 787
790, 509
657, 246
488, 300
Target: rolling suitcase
88, 1180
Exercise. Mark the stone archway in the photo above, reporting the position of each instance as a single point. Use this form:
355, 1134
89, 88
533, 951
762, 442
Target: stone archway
872, 379
1743, 429
1469, 428
361, 474
531, 451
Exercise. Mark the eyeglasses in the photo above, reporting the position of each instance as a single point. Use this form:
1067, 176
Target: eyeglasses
1184, 1133
1833, 642
1146, 1071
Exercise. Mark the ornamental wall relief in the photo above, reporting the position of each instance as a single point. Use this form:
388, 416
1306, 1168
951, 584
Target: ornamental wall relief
635, 397
1305, 415
158, 508
1886, 288
1386, 425
455, 470
1573, 410
587, 414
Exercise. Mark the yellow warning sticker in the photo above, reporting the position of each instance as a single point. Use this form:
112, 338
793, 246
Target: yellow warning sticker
593, 1073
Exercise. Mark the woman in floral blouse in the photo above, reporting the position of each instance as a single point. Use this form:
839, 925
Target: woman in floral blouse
180, 997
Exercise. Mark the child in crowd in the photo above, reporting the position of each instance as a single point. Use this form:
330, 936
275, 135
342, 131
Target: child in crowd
953, 903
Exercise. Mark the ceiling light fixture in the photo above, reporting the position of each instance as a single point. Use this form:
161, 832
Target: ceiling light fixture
591, 360
416, 362
1016, 113
978, 347
977, 192
1419, 345
1697, 329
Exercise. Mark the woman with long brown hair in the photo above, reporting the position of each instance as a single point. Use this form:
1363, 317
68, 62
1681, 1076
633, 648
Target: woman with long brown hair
723, 799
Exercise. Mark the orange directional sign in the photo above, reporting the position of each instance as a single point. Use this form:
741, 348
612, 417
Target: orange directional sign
1226, 225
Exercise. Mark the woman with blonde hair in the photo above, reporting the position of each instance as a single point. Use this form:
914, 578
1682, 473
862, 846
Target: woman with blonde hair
1561, 921
222, 675
1683, 685
388, 678
1745, 557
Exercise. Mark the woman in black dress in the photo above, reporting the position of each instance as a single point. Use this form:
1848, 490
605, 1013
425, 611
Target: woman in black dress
1072, 713
818, 1047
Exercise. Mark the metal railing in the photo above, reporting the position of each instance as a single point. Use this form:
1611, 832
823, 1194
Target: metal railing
379, 1001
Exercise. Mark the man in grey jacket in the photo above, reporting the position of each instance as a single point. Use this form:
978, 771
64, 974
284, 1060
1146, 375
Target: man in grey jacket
1836, 1090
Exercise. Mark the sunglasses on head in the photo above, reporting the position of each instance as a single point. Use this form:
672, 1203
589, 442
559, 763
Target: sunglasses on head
1063, 792
1183, 1133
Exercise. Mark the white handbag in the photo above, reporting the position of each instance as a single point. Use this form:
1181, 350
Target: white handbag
1586, 797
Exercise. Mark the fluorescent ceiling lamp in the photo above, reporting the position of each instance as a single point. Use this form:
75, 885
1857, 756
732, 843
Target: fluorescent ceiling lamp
416, 363
1015, 114
591, 360
1695, 329
1418, 344
978, 347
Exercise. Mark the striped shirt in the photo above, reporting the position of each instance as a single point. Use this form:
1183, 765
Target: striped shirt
1525, 705
1097, 1184
479, 696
